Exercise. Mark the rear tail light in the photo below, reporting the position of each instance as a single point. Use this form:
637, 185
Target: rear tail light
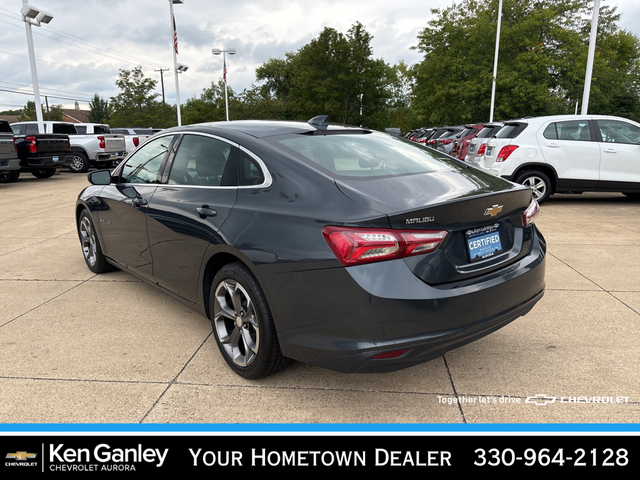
354, 246
446, 142
136, 141
530, 214
101, 140
422, 140
33, 148
482, 149
505, 152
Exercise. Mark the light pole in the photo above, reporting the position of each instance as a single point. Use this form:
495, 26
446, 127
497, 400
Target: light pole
174, 50
34, 16
592, 48
231, 51
495, 63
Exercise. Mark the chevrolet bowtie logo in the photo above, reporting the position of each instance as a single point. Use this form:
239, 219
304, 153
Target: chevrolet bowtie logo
493, 211
20, 455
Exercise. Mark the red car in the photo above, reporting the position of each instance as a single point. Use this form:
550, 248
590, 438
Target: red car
461, 144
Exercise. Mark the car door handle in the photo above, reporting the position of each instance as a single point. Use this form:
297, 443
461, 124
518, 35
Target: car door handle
139, 202
610, 150
205, 211
554, 145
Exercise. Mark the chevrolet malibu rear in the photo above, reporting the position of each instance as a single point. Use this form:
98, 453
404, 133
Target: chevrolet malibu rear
427, 255
340, 247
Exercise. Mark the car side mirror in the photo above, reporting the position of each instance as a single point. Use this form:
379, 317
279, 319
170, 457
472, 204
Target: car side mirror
100, 177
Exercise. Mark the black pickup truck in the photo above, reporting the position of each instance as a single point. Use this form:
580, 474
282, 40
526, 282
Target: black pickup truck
40, 154
9, 161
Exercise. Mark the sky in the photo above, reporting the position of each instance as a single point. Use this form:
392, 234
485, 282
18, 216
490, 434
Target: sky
88, 42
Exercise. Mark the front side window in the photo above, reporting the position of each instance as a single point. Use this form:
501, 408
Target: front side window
616, 131
144, 165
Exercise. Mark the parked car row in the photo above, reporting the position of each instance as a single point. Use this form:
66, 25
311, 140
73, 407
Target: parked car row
76, 146
556, 154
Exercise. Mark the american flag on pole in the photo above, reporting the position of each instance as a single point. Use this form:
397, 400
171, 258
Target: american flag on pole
175, 35
224, 71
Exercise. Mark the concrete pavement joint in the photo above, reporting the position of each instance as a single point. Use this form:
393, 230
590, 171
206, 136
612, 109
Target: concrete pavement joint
46, 302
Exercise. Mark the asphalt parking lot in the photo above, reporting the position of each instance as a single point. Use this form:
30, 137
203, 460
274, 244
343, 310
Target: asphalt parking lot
81, 348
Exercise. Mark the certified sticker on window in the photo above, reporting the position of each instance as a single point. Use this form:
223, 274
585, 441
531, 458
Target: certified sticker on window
483, 242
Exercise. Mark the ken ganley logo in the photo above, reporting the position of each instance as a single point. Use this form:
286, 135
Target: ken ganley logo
20, 459
103, 457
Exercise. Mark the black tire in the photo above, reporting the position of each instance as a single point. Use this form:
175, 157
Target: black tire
79, 163
44, 172
91, 249
10, 176
242, 324
538, 182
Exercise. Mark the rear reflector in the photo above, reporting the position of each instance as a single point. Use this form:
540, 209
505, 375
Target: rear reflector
393, 354
354, 246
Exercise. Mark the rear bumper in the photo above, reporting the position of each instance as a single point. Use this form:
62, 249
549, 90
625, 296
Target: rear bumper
9, 164
341, 318
109, 156
49, 161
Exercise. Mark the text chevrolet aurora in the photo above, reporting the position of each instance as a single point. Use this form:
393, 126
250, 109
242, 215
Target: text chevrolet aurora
337, 246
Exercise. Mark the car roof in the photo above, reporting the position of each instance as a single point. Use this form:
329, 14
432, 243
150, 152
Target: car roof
266, 128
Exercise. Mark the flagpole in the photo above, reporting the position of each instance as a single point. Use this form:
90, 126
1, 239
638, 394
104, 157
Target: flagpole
174, 50
224, 51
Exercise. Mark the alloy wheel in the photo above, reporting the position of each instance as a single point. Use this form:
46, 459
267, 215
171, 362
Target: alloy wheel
538, 185
236, 322
88, 241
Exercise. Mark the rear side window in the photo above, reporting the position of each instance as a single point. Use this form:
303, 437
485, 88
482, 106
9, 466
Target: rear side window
362, 155
203, 161
570, 130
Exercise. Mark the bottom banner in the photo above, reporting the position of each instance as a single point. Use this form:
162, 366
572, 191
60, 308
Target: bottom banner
184, 454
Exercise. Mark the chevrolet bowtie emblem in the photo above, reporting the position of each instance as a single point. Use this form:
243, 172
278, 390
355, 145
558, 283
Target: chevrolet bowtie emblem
493, 211
21, 455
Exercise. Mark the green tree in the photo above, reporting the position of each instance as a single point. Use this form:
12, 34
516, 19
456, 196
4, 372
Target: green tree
136, 104
28, 113
542, 61
98, 110
334, 74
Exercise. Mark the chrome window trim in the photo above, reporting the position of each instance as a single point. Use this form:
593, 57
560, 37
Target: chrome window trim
268, 179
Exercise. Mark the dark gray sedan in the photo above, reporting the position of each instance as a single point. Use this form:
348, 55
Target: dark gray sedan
337, 246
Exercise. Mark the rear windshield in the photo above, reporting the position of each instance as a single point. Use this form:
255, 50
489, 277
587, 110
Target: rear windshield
511, 130
101, 129
67, 128
362, 155
487, 132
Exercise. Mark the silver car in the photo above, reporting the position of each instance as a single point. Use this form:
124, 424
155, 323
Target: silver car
478, 144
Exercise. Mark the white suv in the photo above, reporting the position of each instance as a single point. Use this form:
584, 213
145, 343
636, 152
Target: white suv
567, 154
